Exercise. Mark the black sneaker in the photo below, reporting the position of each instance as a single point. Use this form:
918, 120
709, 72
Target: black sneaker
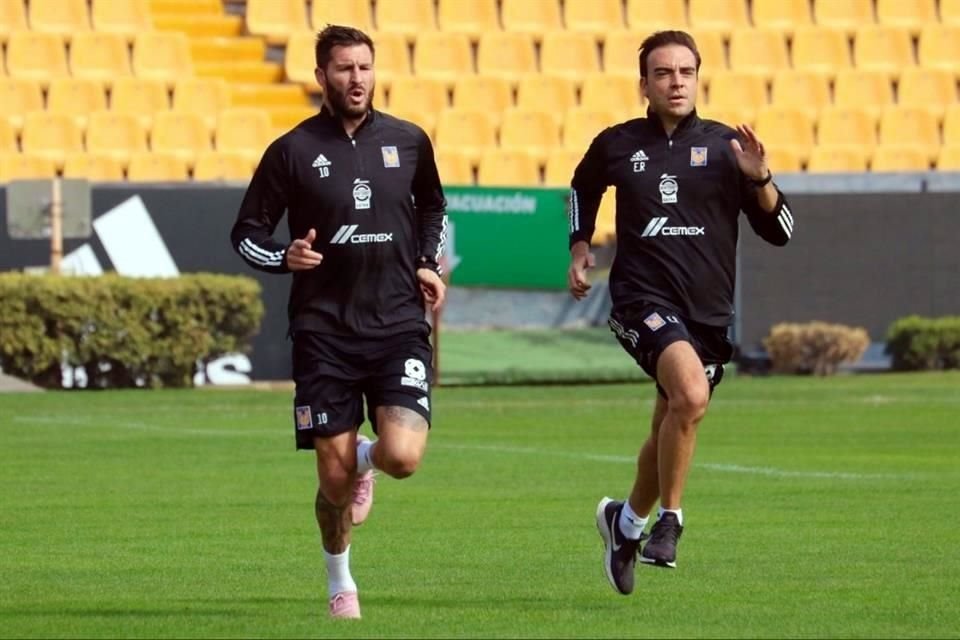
620, 553
661, 549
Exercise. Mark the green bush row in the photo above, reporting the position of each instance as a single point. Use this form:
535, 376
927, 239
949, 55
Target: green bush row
916, 343
126, 332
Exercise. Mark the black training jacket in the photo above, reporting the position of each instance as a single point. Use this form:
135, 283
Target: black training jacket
376, 203
678, 202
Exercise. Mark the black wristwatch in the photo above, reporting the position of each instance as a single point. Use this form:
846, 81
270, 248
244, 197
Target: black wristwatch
764, 182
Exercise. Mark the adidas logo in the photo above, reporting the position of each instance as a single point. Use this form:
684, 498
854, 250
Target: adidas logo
639, 156
321, 161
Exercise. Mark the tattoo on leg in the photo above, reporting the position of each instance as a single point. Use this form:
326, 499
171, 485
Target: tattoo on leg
334, 521
407, 418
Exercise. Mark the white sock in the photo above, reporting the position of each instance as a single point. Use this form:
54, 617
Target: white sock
365, 456
631, 525
338, 572
676, 512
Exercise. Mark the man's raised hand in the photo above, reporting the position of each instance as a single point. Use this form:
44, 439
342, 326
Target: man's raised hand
300, 254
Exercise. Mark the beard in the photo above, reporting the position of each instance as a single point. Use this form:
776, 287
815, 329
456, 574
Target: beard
341, 107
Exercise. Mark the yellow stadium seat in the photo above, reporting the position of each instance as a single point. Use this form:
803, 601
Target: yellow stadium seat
950, 12
490, 94
151, 166
244, 130
507, 168
621, 54
51, 135
845, 15
534, 17
734, 89
949, 159
417, 92
393, 57
582, 124
606, 225
200, 26
892, 158
139, 97
601, 91
442, 56
951, 126
300, 62
541, 91
220, 165
596, 17
467, 131
96, 167
656, 15
36, 56
181, 134
26, 166
718, 15
356, 13
61, 17
116, 134
532, 131
912, 14
8, 138
193, 8
568, 53
76, 97
275, 20
809, 91
506, 54
426, 120
837, 159
454, 167
730, 115
162, 56
13, 17
18, 97
99, 56
887, 49
220, 49
851, 126
472, 18
126, 18
781, 15
410, 18
872, 90
823, 50
783, 160
284, 119
932, 89
560, 166
759, 51
939, 47
267, 95
913, 124
713, 55
244, 71
788, 128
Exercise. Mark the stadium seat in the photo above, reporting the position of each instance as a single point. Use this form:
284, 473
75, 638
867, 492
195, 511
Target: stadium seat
51, 135
126, 18
871, 90
547, 92
96, 167
150, 166
951, 126
730, 115
18, 97
262, 72
442, 56
8, 138
889, 158
181, 134
783, 160
912, 15
356, 13
283, 119
231, 50
244, 130
534, 17
560, 167
76, 98
220, 165
206, 97
419, 92
192, 8
488, 93
507, 168
472, 19
267, 95
568, 53
299, 60
851, 126
788, 128
467, 131
713, 55
61, 17
913, 124
393, 57
844, 15
950, 12
532, 131
99, 56
26, 166
596, 17
582, 124
808, 91
733, 89
507, 55
758, 51
932, 89
718, 15
949, 159
823, 50
656, 15
454, 167
200, 26
939, 47
116, 134
162, 56
426, 120
275, 20
781, 15
601, 91
36, 56
409, 18
845, 158
139, 97
621, 54
13, 17
886, 49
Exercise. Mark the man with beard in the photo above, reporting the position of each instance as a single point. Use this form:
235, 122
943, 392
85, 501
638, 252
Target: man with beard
366, 208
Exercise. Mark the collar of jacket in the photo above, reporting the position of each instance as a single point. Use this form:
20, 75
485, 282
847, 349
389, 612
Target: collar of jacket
328, 119
690, 121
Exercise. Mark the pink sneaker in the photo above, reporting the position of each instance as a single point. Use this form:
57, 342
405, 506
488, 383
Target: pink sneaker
345, 605
362, 499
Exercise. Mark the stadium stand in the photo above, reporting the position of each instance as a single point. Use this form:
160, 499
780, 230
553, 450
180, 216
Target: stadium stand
506, 55
99, 167
358, 13
63, 18
126, 18
13, 17
101, 57
474, 18
781, 15
594, 17
76, 97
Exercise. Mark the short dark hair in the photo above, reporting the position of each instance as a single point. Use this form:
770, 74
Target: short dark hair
662, 39
335, 35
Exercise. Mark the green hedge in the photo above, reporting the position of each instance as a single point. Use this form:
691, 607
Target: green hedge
126, 332
916, 343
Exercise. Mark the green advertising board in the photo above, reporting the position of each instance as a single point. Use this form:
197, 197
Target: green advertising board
508, 238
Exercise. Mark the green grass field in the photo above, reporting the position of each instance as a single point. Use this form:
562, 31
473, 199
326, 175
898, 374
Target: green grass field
816, 508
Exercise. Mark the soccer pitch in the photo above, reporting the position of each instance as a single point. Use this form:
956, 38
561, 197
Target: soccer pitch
815, 508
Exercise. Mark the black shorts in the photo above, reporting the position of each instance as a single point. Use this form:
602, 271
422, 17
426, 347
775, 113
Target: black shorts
645, 330
333, 375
